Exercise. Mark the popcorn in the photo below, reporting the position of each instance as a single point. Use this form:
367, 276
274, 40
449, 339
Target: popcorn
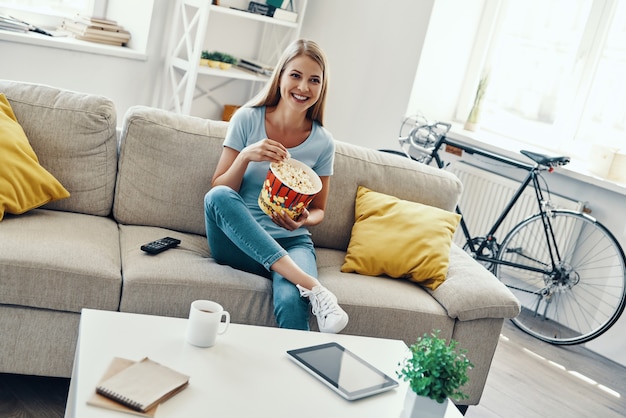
294, 177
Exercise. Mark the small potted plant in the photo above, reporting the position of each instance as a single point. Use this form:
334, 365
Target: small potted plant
473, 118
216, 59
204, 58
212, 59
227, 61
435, 371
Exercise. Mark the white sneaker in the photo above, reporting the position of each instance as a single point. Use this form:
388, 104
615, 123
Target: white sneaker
330, 317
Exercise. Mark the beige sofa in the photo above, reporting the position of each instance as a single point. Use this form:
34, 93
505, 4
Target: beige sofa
84, 251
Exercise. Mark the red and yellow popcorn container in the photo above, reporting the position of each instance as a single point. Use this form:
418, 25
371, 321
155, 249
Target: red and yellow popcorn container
289, 186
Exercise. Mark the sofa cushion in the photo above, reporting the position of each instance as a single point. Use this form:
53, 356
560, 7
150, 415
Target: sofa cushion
60, 261
165, 168
74, 137
397, 309
400, 177
471, 292
167, 283
399, 238
24, 184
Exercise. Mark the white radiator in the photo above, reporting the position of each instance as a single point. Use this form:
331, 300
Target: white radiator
485, 195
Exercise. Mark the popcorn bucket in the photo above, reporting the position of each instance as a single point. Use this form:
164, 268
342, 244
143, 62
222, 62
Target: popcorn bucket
289, 186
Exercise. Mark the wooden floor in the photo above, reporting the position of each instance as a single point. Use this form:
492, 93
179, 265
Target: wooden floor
528, 379
32, 397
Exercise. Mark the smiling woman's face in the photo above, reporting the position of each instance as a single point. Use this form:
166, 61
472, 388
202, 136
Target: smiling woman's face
301, 82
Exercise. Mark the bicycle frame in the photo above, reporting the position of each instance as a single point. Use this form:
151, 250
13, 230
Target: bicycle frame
567, 269
476, 249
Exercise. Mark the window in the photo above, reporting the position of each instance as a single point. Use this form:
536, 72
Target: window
555, 71
135, 16
604, 113
58, 8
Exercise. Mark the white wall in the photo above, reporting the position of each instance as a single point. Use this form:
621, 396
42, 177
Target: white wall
373, 50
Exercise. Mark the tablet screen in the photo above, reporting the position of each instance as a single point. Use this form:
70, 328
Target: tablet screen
349, 375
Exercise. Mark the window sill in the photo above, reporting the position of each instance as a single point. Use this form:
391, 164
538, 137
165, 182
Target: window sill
576, 170
69, 43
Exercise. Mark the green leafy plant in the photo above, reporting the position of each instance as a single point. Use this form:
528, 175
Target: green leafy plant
218, 56
213, 56
474, 115
229, 59
436, 369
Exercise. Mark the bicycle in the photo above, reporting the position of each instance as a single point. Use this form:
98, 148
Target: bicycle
567, 269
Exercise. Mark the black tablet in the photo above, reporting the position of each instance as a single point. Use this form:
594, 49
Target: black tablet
343, 371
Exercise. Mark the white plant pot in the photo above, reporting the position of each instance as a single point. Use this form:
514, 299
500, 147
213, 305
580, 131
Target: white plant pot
422, 407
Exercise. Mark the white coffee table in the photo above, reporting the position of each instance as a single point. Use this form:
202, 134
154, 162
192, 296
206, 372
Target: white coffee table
246, 374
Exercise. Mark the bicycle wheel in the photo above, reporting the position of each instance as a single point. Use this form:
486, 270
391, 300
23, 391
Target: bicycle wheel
582, 295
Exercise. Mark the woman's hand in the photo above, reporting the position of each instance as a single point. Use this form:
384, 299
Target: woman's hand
284, 221
266, 150
232, 164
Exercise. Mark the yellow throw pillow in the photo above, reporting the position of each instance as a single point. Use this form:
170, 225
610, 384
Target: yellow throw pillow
24, 184
399, 238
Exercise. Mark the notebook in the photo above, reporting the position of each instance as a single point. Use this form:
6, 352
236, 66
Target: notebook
137, 387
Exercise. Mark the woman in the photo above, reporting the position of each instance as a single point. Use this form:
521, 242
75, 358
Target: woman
284, 120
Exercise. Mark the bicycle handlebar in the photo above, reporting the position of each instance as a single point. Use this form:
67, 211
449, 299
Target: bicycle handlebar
409, 140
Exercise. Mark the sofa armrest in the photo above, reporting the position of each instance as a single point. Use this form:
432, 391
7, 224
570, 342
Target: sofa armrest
471, 292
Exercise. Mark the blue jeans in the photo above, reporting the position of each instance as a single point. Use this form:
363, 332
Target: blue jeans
236, 239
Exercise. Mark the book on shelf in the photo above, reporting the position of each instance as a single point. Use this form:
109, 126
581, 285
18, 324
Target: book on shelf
137, 387
96, 30
286, 15
97, 39
279, 4
259, 8
271, 11
81, 29
96, 21
255, 66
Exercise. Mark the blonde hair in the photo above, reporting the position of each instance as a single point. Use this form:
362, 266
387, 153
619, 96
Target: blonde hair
270, 95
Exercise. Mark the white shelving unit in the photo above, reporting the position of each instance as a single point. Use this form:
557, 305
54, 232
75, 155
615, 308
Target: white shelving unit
191, 34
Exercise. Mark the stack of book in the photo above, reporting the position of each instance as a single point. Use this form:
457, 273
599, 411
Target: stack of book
255, 67
137, 387
94, 29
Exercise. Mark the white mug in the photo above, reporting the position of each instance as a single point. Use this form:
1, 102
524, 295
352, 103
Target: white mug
205, 323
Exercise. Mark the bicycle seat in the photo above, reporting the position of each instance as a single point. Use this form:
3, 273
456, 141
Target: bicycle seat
546, 160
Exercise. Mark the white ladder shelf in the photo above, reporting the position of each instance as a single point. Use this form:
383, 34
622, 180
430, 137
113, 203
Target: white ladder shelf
188, 40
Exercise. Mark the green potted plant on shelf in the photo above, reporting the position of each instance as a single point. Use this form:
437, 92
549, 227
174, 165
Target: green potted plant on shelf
212, 59
435, 371
216, 59
227, 61
204, 58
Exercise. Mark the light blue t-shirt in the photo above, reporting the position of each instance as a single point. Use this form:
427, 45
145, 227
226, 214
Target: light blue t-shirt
247, 126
